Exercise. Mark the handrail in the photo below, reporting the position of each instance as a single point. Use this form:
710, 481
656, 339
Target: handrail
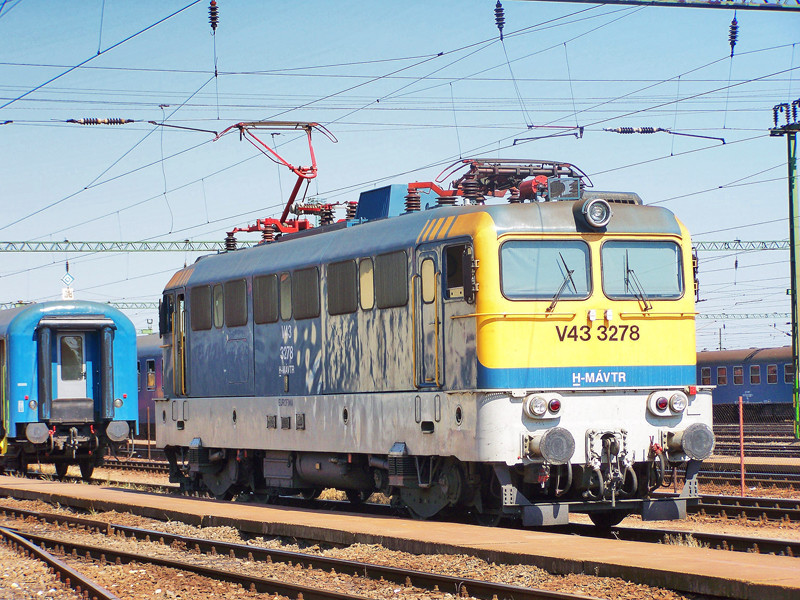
545, 315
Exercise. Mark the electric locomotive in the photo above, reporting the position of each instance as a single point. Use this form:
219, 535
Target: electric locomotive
67, 384
525, 360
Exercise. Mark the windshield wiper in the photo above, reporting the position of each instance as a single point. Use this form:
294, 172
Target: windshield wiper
630, 277
567, 279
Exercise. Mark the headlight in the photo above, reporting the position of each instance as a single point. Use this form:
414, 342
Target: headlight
535, 406
597, 212
118, 402
32, 404
678, 402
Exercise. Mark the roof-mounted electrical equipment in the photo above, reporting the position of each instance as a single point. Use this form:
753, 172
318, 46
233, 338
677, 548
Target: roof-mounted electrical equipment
521, 180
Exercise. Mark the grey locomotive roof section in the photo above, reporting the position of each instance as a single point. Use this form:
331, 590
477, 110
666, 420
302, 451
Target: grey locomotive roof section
394, 233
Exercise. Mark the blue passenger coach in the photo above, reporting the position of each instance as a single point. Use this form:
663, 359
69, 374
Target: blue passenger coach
67, 384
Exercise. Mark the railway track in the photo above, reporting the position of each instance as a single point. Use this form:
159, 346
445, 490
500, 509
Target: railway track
760, 509
430, 583
69, 576
729, 507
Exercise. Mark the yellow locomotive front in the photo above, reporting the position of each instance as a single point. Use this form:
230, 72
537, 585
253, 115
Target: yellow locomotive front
585, 339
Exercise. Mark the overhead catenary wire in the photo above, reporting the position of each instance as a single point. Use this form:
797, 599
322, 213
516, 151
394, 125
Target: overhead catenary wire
130, 37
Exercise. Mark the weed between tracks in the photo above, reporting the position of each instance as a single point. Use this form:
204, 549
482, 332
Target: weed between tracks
687, 540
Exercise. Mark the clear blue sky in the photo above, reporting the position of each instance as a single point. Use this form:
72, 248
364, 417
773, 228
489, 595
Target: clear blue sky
373, 73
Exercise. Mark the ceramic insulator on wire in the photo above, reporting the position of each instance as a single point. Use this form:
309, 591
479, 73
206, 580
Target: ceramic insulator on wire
499, 17
733, 34
100, 121
213, 16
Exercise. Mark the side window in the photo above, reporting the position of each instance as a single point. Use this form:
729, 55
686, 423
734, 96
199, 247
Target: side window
738, 375
235, 303
454, 271
755, 374
165, 315
366, 283
200, 305
428, 280
391, 279
219, 313
772, 373
341, 284
705, 375
286, 296
138, 374
151, 374
722, 375
305, 293
788, 373
265, 299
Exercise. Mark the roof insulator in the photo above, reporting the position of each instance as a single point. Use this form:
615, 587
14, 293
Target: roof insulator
499, 18
213, 16
734, 33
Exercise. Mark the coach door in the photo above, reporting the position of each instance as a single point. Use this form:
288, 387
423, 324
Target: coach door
427, 316
71, 367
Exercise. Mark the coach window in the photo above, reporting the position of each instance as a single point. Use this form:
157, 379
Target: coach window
788, 373
391, 279
139, 374
755, 374
428, 276
772, 373
200, 305
219, 314
454, 270
305, 293
341, 284
151, 374
722, 375
738, 375
235, 303
286, 296
265, 299
366, 284
705, 376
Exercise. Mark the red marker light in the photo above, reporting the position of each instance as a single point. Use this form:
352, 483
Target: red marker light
124, 395
555, 405
26, 397
692, 390
662, 403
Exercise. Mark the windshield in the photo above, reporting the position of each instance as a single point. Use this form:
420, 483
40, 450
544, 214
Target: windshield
544, 270
642, 270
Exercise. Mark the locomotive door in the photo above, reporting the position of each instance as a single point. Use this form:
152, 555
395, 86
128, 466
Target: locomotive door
71, 366
427, 315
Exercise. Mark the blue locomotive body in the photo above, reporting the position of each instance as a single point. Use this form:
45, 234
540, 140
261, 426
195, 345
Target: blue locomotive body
68, 383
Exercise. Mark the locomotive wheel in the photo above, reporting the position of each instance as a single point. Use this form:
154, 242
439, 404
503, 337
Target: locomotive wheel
222, 484
606, 519
357, 497
491, 506
311, 494
61, 469
87, 468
